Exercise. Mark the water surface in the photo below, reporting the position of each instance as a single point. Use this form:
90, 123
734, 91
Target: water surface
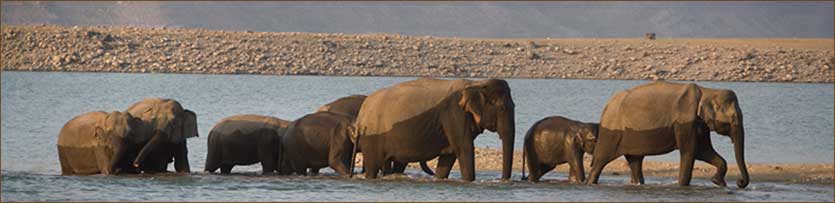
785, 123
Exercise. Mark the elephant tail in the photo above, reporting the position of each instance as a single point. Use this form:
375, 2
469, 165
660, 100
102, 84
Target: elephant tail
213, 154
426, 169
527, 141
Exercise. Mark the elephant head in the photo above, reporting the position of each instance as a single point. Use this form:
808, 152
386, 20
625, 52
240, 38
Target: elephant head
491, 107
115, 132
719, 109
164, 120
588, 136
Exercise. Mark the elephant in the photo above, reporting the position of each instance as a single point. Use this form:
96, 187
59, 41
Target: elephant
166, 124
556, 140
319, 140
244, 140
350, 106
97, 142
426, 118
659, 117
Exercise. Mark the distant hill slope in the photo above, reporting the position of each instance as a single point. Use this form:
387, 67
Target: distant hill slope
459, 19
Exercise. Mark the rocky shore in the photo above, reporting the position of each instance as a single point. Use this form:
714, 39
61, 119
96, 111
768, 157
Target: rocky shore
199, 51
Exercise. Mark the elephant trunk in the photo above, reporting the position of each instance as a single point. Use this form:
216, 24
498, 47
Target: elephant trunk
156, 140
507, 130
116, 159
738, 136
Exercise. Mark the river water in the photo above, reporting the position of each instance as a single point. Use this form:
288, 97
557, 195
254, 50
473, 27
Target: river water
785, 123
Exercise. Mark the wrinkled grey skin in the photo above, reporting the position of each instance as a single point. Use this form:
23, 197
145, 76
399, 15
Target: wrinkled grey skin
350, 106
557, 140
98, 142
165, 126
426, 118
660, 117
318, 140
244, 140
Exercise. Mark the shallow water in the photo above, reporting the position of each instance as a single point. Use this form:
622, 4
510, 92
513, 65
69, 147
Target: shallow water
413, 187
785, 123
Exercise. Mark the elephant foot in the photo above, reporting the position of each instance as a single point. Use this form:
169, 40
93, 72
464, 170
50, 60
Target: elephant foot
635, 183
742, 183
719, 181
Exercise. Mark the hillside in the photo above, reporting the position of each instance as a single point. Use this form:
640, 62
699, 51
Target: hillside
452, 19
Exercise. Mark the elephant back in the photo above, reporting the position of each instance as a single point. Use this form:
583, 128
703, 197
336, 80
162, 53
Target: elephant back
317, 127
248, 123
80, 131
349, 105
389, 106
651, 106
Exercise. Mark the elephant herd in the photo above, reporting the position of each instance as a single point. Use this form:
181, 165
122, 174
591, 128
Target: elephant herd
416, 121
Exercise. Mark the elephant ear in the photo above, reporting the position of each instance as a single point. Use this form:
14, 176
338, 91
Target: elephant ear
472, 101
190, 124
707, 111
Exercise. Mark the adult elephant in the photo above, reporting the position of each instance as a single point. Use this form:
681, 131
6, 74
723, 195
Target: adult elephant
422, 119
350, 106
167, 124
97, 142
244, 140
659, 117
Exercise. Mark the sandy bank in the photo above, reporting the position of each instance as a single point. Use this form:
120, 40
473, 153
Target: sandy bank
814, 173
149, 50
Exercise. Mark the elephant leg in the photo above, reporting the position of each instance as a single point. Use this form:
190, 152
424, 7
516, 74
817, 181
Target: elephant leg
339, 160
387, 167
372, 167
604, 152
339, 155
181, 158
268, 166
66, 169
102, 160
445, 162
226, 168
636, 166
597, 165
466, 161
686, 142
268, 161
577, 173
398, 167
539, 170
302, 171
709, 155
686, 168
211, 168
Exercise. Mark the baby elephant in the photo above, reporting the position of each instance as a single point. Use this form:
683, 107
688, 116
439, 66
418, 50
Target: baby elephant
245, 140
320, 140
557, 140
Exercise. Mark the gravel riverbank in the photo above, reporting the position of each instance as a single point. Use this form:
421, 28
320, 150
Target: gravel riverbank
199, 51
